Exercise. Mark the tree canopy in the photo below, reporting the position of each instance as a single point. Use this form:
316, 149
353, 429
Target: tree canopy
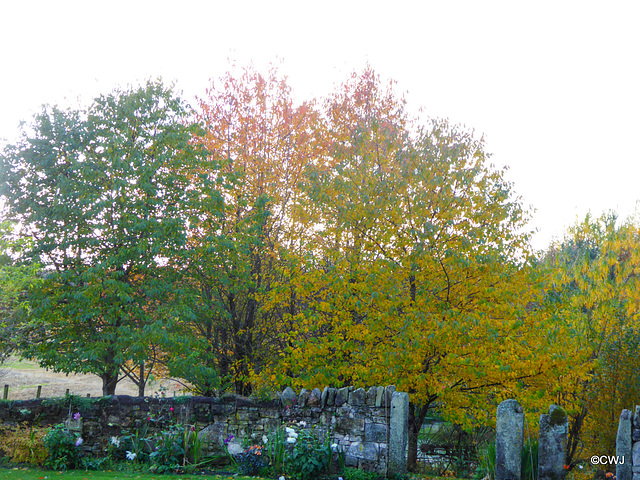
251, 243
101, 193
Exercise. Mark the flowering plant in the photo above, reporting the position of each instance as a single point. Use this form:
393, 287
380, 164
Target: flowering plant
251, 461
297, 452
63, 447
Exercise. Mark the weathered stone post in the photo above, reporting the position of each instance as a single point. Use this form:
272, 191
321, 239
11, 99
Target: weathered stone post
623, 447
509, 439
398, 432
552, 445
635, 442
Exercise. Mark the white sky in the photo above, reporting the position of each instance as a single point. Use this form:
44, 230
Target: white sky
553, 85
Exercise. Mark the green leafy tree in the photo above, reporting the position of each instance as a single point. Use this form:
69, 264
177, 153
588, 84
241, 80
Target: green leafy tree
242, 231
101, 194
15, 281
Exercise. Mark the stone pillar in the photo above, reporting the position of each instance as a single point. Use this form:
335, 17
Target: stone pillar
398, 433
552, 445
509, 439
635, 442
623, 447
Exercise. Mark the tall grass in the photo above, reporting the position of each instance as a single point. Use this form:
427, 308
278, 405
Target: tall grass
528, 458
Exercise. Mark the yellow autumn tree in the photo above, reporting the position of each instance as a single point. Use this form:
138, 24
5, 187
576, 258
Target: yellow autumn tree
594, 288
418, 272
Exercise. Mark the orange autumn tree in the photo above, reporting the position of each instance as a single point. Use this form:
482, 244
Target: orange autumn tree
418, 271
241, 227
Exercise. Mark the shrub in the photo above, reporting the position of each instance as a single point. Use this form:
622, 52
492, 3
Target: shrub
63, 447
356, 474
169, 452
25, 445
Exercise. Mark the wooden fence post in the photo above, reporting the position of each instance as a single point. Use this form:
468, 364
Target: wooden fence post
39, 391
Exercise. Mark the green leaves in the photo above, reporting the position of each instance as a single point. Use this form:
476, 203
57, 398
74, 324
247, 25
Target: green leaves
101, 192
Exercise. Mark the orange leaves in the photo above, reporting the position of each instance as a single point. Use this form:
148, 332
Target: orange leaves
417, 267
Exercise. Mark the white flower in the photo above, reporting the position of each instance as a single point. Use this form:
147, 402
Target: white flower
131, 455
334, 447
302, 423
79, 441
115, 441
281, 477
291, 440
289, 430
264, 439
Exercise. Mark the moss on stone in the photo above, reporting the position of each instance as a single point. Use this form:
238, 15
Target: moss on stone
558, 416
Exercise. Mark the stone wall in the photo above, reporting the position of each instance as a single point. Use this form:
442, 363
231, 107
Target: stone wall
358, 420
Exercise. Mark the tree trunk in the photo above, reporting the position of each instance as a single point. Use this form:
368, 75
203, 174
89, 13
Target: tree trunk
109, 382
417, 415
141, 381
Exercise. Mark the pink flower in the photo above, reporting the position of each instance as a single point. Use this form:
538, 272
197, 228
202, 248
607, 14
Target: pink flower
171, 409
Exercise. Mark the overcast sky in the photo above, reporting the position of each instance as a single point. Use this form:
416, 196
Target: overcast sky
554, 86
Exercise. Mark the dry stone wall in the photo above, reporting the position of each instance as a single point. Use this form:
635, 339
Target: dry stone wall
359, 421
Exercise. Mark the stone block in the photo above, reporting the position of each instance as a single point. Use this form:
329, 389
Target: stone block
342, 396
314, 398
509, 439
222, 410
364, 450
552, 444
370, 399
388, 394
623, 446
347, 426
303, 397
212, 438
379, 396
635, 455
331, 396
288, 397
398, 432
350, 461
357, 397
374, 432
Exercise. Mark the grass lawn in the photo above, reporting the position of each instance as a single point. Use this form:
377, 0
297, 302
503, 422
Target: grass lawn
37, 474
23, 473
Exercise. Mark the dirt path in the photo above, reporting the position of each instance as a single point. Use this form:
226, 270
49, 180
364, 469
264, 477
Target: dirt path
23, 379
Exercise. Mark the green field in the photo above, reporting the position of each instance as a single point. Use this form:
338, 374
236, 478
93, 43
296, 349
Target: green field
17, 362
